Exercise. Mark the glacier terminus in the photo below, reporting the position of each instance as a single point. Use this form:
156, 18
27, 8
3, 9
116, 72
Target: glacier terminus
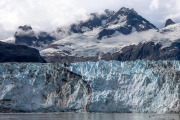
139, 86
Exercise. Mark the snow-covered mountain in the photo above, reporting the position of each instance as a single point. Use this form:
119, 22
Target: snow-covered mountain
103, 33
123, 21
152, 44
122, 35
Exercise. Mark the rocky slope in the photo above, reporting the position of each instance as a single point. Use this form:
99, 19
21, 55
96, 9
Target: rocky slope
140, 86
19, 53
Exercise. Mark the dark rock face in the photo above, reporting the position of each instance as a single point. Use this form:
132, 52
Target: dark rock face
106, 32
26, 36
142, 51
19, 53
169, 22
150, 51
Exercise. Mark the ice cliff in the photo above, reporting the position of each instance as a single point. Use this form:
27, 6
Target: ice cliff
33, 87
139, 86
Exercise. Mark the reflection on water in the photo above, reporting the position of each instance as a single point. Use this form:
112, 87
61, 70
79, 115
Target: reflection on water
89, 116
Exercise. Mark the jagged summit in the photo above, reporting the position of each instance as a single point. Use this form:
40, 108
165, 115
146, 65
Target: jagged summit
25, 27
125, 21
127, 10
169, 22
109, 12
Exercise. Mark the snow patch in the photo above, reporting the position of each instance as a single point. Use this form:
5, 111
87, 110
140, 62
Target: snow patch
9, 40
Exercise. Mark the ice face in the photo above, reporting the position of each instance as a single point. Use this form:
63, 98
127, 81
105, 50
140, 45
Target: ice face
139, 86
136, 86
31, 87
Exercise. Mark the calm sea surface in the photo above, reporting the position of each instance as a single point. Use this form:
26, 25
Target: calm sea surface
89, 116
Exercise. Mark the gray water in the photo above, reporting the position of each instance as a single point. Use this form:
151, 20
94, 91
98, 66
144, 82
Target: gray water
89, 116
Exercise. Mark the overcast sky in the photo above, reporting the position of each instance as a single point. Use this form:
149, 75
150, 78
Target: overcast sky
48, 14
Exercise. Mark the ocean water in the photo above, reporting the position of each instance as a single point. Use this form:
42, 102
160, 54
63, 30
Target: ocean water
89, 116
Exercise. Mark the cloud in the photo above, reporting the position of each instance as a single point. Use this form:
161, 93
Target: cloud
49, 14
154, 4
39, 13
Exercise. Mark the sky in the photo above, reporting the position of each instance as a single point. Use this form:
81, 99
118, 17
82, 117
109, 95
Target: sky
47, 15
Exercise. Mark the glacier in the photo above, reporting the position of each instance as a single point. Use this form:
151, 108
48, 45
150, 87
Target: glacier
37, 87
136, 86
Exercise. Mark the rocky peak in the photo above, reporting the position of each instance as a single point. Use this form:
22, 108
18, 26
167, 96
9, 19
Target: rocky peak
125, 21
169, 22
25, 31
126, 11
25, 28
109, 12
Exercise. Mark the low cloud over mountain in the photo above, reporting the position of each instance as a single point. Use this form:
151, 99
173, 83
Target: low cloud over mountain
47, 15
